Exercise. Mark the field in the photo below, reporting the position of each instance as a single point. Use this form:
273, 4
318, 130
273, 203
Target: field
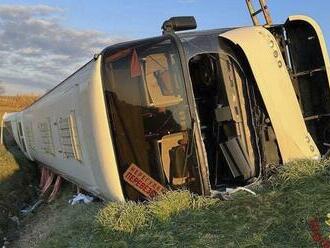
15, 103
276, 217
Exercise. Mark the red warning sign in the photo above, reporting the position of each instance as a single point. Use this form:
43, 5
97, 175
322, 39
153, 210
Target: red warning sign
142, 182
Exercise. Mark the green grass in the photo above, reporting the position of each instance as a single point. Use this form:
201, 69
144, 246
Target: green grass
276, 217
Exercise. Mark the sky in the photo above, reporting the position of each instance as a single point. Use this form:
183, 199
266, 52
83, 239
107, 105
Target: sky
43, 42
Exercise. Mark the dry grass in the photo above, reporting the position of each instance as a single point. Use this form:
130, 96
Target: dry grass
18, 102
15, 103
8, 165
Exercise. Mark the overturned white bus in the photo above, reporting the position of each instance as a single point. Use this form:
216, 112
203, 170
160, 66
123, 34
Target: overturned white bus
202, 110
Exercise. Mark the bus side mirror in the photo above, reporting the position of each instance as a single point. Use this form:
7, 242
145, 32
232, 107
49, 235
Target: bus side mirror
179, 23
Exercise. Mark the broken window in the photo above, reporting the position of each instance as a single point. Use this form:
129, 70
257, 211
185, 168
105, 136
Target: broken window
150, 116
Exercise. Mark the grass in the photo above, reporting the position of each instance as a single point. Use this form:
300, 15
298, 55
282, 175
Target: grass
276, 217
17, 174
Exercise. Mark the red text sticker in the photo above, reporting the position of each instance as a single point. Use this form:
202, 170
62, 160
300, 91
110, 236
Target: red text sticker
142, 182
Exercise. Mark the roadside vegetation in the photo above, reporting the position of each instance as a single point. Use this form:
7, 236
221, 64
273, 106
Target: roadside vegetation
276, 217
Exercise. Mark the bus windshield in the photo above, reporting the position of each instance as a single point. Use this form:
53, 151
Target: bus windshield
149, 114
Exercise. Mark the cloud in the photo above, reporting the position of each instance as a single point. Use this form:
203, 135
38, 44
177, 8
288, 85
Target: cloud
37, 50
11, 88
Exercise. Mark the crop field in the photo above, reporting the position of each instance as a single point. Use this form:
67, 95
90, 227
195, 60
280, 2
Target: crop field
15, 103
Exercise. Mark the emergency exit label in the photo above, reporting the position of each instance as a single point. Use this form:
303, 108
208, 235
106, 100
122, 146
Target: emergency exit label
142, 182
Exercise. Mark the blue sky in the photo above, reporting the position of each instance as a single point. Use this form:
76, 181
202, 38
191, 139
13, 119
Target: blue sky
103, 22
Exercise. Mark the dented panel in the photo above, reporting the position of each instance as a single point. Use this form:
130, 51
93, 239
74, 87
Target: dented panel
276, 88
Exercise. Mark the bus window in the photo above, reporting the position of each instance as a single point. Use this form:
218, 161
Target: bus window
158, 80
